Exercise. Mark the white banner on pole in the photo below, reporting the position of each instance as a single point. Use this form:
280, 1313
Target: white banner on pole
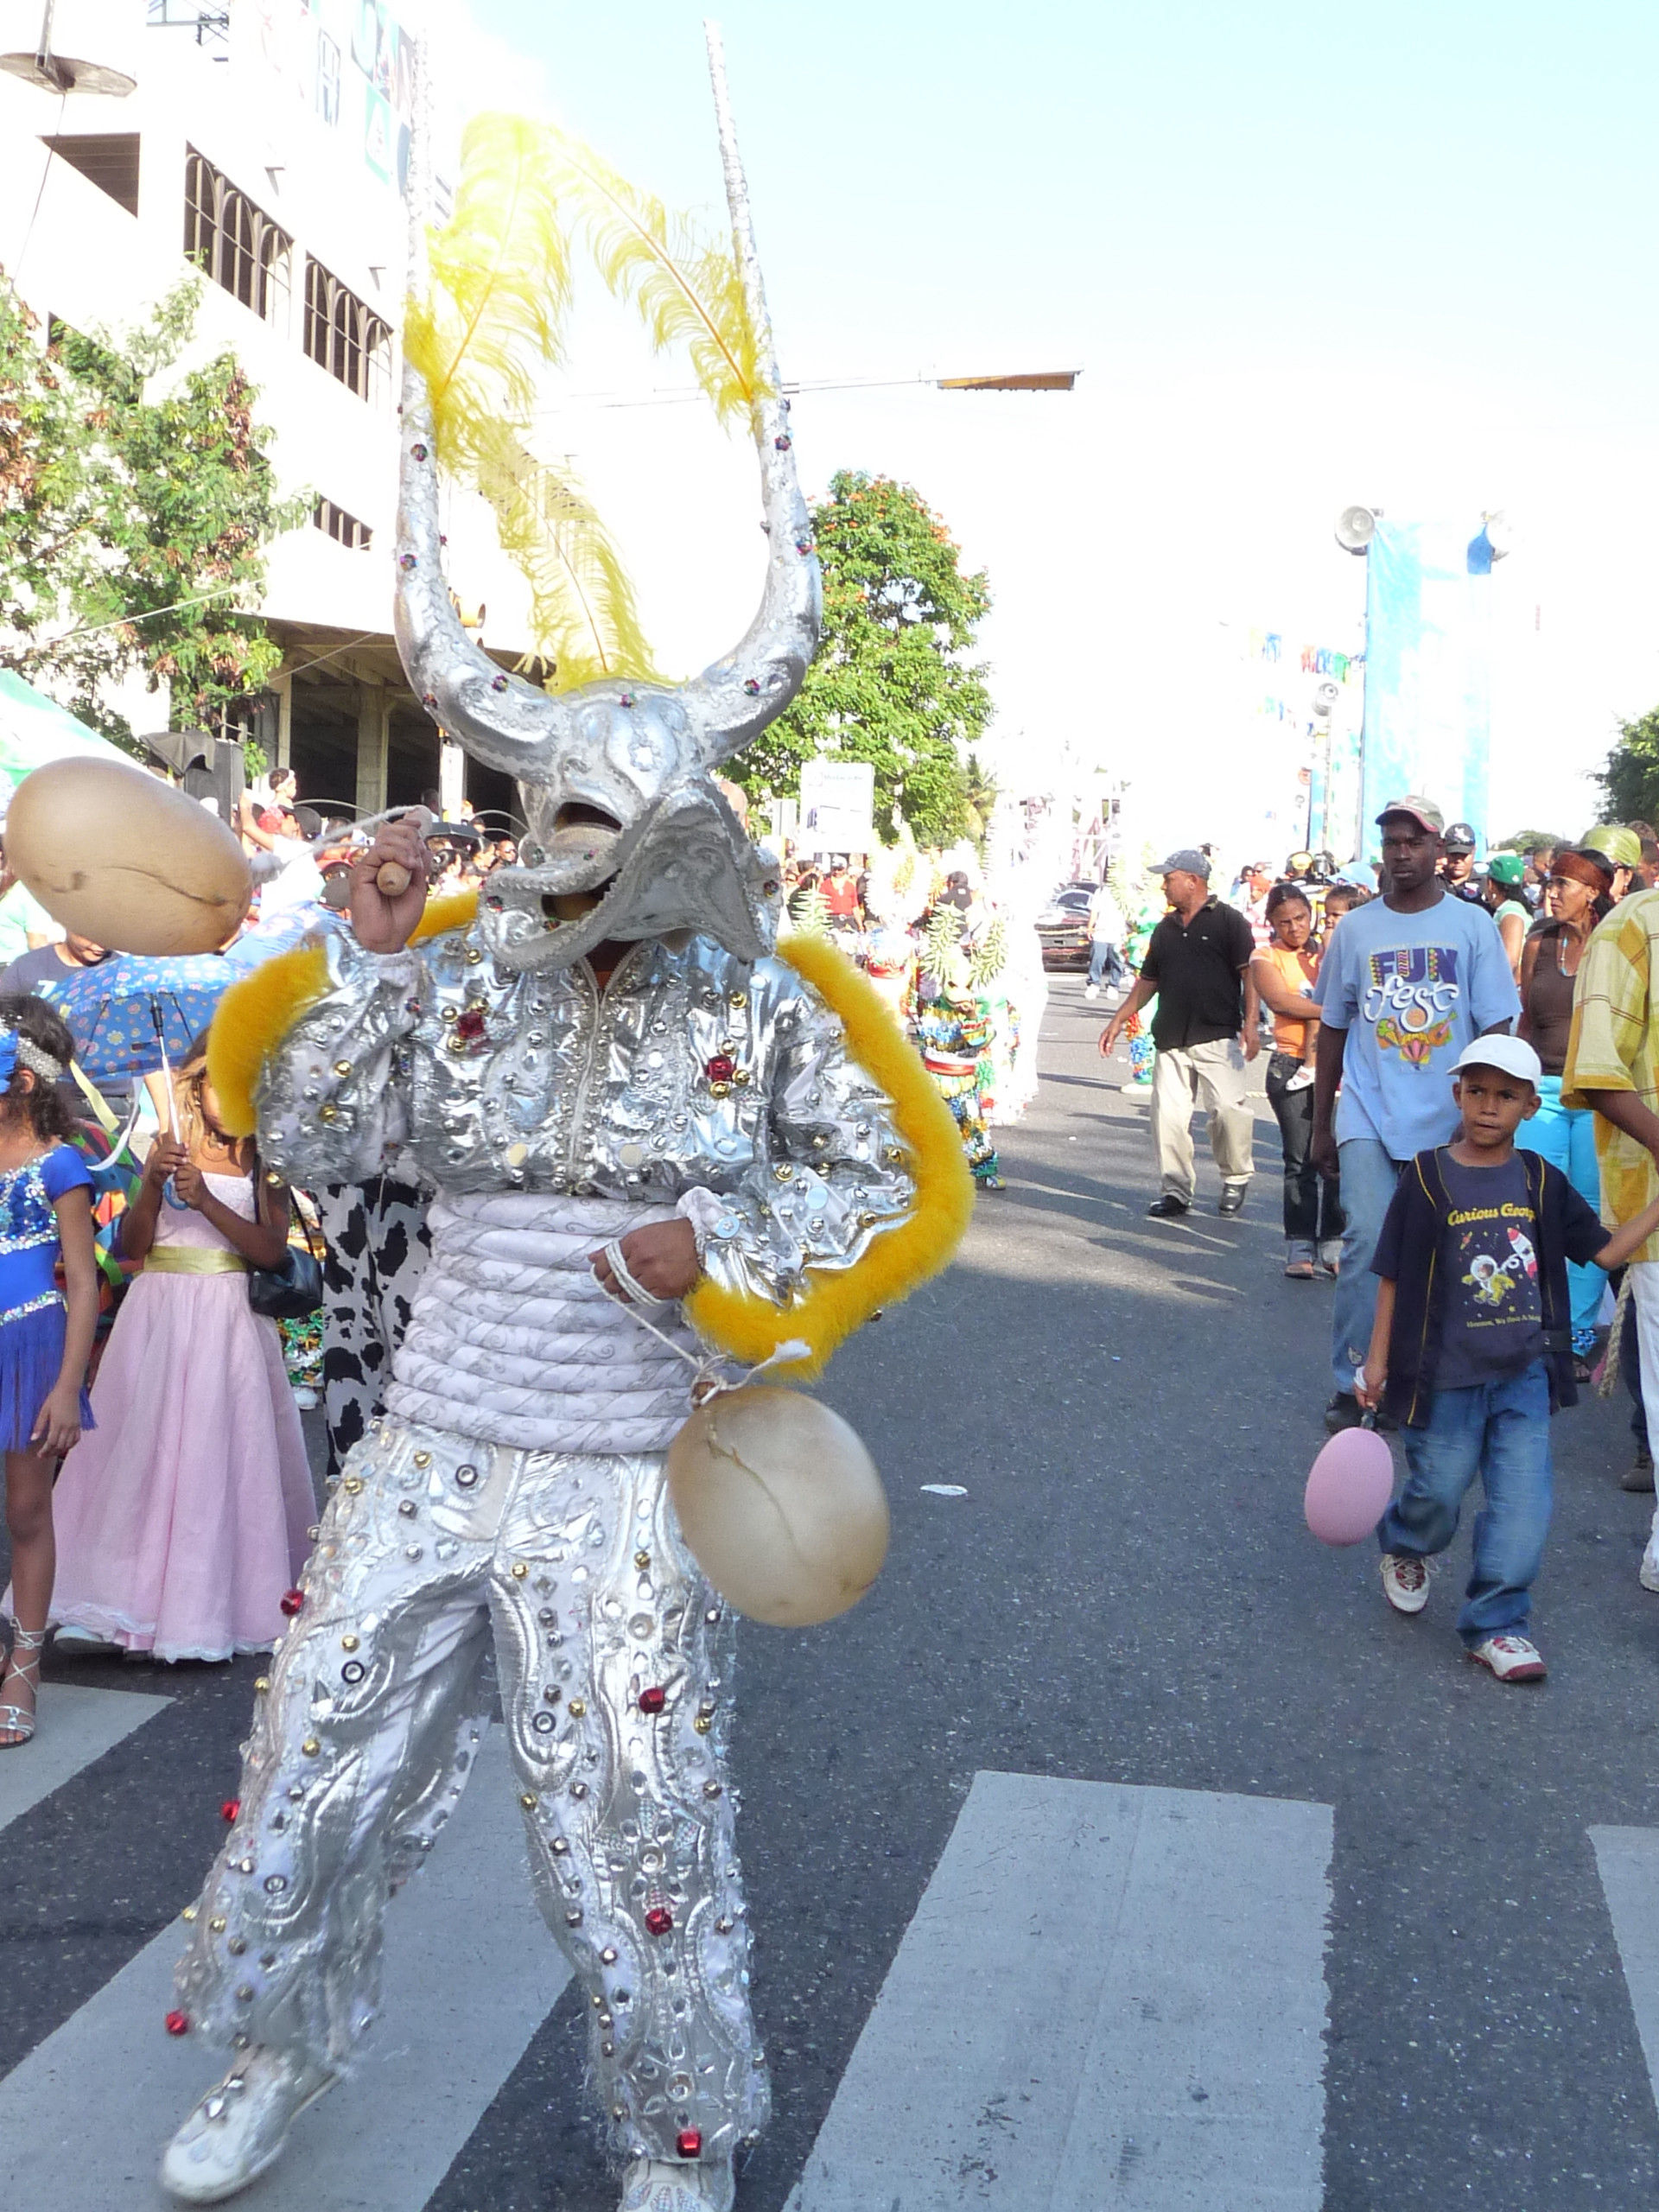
838, 806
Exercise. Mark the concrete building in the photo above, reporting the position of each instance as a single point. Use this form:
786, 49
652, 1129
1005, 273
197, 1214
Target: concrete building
265, 144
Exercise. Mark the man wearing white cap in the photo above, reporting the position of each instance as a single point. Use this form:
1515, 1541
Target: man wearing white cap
1471, 1349
1409, 980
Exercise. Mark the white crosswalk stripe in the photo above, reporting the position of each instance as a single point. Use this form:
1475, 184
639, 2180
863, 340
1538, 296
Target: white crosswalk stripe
1109, 1997
1628, 1862
77, 1726
470, 1975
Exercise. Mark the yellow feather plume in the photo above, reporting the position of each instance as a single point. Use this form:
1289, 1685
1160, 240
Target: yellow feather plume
500, 285
688, 290
495, 315
582, 612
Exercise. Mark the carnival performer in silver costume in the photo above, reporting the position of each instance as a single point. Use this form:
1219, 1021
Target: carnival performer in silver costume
606, 1059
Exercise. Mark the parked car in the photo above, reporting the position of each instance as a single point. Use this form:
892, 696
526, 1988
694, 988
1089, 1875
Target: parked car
1063, 927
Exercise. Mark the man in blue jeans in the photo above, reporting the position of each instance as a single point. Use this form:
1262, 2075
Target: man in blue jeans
1409, 980
1471, 1349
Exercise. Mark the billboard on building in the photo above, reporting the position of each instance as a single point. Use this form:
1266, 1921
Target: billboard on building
1428, 692
350, 63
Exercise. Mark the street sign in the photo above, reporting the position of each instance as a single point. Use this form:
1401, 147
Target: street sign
838, 806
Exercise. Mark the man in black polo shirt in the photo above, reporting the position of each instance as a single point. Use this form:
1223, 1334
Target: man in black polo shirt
1199, 966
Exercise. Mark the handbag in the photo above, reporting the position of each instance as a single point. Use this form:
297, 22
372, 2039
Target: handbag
293, 1291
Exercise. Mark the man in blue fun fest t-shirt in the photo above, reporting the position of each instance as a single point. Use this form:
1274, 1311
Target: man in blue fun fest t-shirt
1409, 980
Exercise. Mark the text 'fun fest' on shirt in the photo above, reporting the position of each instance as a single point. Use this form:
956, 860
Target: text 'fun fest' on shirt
1410, 990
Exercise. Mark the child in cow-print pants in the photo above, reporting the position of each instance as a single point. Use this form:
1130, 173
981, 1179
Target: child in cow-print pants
378, 1243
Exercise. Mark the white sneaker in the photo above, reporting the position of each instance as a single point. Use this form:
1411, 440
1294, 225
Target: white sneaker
1512, 1658
666, 2185
1092, 991
304, 1397
1648, 1574
240, 2129
1405, 1581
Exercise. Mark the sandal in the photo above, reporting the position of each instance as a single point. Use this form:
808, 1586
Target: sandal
1300, 1271
16, 1726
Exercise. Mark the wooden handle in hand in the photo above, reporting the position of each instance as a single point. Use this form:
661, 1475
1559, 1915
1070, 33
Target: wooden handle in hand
392, 879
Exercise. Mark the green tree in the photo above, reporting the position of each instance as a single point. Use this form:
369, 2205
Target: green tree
1631, 778
115, 508
892, 682
1523, 841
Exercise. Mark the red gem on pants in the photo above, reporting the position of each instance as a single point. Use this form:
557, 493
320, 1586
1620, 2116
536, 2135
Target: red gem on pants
689, 2143
230, 1808
659, 1920
720, 1069
178, 2024
291, 1601
653, 1700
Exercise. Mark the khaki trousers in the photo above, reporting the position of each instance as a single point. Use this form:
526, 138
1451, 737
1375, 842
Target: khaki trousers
1212, 1076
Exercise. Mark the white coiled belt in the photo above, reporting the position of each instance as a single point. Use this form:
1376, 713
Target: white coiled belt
512, 1341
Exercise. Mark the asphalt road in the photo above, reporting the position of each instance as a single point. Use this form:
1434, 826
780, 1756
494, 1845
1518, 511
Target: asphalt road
1125, 1595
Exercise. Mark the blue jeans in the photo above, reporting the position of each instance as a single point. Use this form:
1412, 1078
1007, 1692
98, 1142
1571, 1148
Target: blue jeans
1499, 1431
1369, 1175
1566, 1137
1105, 959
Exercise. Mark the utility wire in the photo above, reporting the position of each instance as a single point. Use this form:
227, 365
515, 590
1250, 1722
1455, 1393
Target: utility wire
46, 171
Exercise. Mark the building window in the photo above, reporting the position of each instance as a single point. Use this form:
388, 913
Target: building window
111, 161
345, 337
344, 529
234, 242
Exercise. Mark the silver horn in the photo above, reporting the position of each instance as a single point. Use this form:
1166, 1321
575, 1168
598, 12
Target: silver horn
732, 702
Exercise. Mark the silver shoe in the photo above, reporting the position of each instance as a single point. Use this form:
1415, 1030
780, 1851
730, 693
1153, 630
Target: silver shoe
18, 1722
240, 2129
668, 2186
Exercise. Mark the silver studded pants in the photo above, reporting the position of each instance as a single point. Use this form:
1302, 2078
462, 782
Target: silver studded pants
614, 1663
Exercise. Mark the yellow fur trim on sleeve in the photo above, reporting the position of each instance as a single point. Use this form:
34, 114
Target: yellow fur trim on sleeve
254, 1016
256, 1013
840, 1301
456, 910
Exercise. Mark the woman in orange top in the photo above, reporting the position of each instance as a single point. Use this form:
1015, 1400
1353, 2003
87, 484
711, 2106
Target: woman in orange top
1284, 970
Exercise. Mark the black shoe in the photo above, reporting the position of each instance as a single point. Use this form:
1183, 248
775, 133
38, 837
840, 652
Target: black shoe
1343, 1412
1168, 1208
1232, 1198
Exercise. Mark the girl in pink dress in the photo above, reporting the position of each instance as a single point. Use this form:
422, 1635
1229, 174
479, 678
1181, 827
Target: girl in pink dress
181, 1518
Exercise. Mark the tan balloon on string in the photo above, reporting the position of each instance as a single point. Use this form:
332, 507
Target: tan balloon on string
122, 858
780, 1503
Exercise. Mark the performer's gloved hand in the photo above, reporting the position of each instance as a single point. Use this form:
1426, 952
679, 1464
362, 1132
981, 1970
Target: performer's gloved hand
384, 924
662, 1258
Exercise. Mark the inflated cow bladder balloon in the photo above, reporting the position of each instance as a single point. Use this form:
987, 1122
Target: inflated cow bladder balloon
1349, 1487
780, 1505
122, 858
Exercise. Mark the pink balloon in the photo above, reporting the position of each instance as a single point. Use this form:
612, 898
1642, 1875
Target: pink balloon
1349, 1487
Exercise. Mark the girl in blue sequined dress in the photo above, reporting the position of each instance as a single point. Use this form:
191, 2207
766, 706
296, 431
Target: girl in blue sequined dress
46, 1332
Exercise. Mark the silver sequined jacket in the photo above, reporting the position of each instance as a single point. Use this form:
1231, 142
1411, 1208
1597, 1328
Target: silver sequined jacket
691, 1071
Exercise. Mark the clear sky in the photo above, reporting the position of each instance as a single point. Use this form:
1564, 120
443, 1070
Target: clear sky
1304, 254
